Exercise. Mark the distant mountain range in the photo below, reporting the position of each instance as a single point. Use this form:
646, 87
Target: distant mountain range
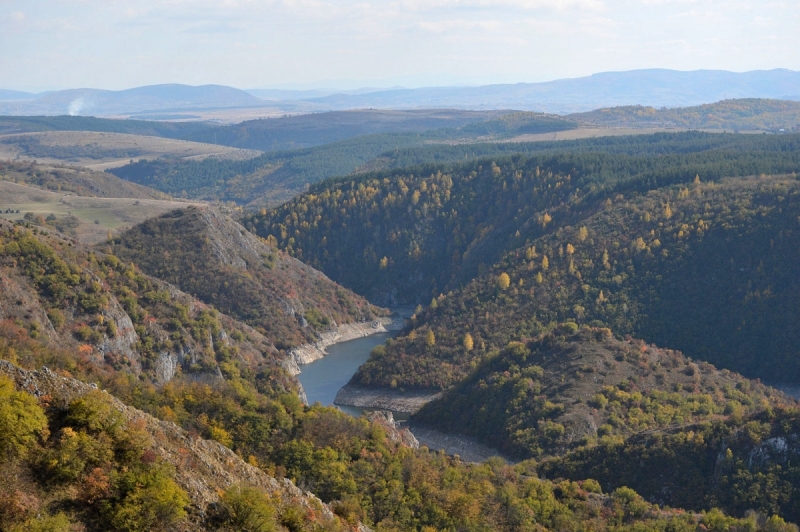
652, 87
7, 95
98, 102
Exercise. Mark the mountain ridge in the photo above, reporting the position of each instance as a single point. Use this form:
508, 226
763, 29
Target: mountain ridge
654, 87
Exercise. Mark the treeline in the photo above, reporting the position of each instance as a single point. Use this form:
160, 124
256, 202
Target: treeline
31, 124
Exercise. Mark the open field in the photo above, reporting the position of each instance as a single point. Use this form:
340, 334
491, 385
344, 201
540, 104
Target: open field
91, 218
99, 151
226, 116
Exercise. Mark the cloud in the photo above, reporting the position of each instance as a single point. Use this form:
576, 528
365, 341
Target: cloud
442, 26
427, 5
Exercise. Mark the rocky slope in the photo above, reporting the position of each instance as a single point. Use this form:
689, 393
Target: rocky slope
113, 317
218, 261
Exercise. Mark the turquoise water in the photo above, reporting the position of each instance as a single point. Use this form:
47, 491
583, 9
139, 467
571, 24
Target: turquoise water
323, 378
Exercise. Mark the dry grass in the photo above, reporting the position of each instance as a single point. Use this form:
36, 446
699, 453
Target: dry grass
99, 151
97, 215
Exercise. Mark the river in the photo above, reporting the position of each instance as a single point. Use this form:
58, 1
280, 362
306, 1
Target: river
324, 377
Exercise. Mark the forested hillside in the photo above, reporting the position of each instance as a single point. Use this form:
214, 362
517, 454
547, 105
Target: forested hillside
707, 269
74, 460
216, 260
572, 387
743, 114
409, 235
735, 464
101, 315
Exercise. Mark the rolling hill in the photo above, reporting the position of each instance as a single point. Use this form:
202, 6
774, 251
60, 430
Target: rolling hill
737, 114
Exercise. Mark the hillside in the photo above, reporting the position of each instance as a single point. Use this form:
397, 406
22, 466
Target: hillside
574, 387
708, 269
218, 261
107, 150
742, 114
109, 316
78, 202
407, 235
79, 457
76, 180
90, 461
736, 464
32, 124
271, 178
315, 129
277, 176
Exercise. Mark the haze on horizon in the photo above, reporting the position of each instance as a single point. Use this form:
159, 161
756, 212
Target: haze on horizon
50, 45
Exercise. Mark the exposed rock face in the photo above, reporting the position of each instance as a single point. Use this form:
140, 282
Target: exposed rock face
124, 341
397, 401
166, 366
399, 435
779, 450
203, 468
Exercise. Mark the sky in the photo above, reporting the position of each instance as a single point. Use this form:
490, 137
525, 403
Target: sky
113, 44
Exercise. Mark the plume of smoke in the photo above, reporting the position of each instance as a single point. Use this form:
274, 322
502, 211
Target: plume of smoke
75, 107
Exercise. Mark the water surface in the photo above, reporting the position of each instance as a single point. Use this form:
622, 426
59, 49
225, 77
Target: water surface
323, 378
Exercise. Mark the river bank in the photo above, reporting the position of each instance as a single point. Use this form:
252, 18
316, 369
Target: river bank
308, 353
384, 399
327, 366
468, 449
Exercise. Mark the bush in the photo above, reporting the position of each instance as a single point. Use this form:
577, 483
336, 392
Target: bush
22, 421
249, 509
145, 498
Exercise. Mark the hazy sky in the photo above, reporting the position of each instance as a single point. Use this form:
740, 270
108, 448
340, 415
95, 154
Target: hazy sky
53, 44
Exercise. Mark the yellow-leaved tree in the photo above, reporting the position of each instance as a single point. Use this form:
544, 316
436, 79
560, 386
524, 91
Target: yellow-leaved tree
468, 343
430, 338
503, 281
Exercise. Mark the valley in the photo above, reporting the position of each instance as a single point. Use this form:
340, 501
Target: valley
586, 309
